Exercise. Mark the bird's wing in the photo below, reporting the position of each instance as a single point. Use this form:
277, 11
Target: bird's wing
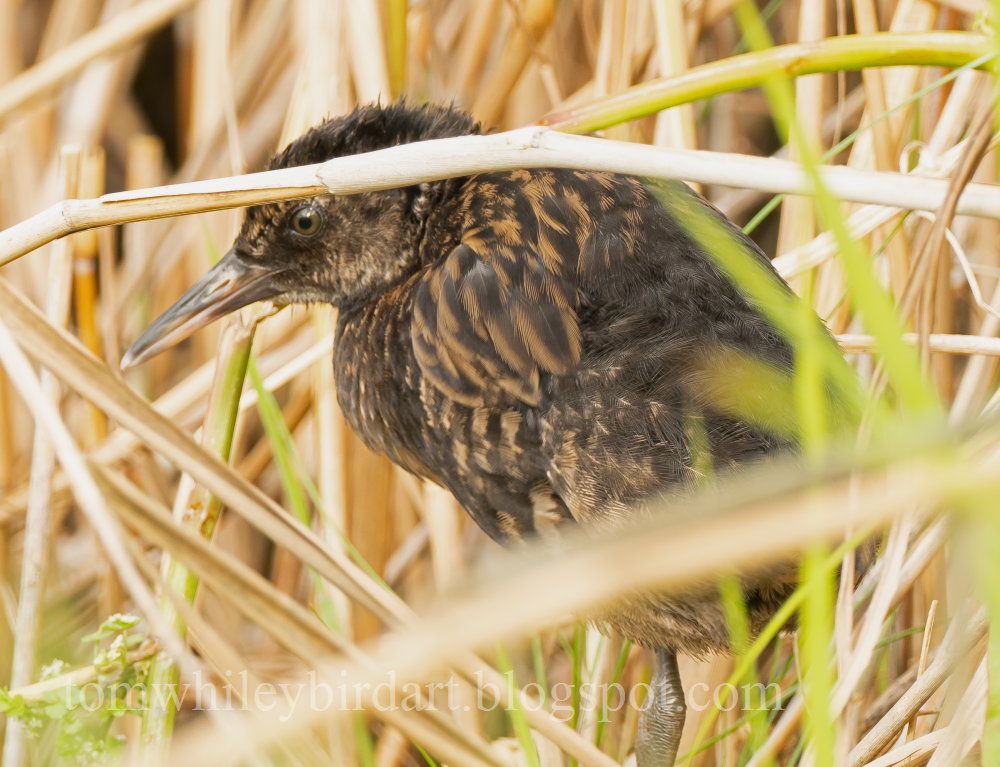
490, 319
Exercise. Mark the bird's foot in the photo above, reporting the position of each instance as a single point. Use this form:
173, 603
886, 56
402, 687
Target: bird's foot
662, 719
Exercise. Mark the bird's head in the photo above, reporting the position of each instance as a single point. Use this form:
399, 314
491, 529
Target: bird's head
341, 250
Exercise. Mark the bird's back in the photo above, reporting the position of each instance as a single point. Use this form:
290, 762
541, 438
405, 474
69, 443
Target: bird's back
551, 359
563, 356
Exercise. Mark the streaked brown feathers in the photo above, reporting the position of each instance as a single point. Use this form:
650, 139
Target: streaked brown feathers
538, 342
487, 316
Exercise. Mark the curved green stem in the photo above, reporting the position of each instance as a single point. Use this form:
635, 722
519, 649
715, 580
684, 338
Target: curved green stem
834, 54
202, 513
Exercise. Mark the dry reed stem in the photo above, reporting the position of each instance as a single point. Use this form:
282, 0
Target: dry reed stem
38, 521
948, 343
447, 158
674, 127
85, 489
291, 623
798, 217
123, 30
529, 25
662, 555
188, 398
962, 636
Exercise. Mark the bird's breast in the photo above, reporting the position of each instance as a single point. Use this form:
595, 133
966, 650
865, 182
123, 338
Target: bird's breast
378, 380
488, 455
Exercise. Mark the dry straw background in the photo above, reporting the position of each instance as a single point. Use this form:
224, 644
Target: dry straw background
106, 96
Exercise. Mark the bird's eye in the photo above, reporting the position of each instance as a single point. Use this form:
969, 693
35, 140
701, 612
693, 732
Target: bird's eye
306, 220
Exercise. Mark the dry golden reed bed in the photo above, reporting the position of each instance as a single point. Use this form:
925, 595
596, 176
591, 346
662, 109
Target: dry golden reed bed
124, 94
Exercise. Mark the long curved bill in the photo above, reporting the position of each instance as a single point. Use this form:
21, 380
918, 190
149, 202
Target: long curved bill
230, 285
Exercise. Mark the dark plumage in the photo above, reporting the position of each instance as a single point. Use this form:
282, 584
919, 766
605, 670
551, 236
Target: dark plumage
547, 344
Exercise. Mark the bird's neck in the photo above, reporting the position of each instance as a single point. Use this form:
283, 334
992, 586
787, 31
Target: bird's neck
442, 219
378, 379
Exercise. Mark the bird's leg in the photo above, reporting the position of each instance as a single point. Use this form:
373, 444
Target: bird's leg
662, 719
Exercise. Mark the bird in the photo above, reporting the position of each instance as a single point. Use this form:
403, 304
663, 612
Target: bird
553, 346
